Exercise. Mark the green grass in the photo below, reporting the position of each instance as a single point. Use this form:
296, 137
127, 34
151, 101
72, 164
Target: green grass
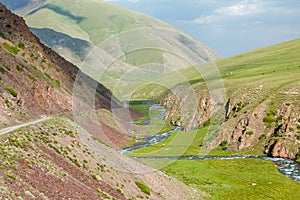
143, 187
144, 56
268, 66
235, 179
179, 143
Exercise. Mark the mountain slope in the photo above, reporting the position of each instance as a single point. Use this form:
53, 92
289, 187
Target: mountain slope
137, 47
261, 109
67, 156
34, 79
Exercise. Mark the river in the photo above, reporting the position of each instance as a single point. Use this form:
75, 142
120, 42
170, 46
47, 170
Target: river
287, 167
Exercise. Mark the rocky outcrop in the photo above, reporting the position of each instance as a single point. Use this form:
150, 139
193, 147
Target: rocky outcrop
258, 126
184, 109
273, 130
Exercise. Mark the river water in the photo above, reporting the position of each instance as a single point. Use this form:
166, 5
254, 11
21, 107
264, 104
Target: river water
287, 167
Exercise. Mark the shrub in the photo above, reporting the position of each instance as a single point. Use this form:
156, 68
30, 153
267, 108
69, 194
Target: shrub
12, 91
8, 103
120, 191
12, 176
262, 137
144, 188
270, 113
48, 76
2, 70
268, 119
206, 123
19, 68
57, 82
223, 144
11, 49
34, 67
249, 132
94, 177
21, 45
32, 78
279, 118
239, 108
224, 148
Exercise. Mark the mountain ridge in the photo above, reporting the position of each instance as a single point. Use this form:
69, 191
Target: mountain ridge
134, 40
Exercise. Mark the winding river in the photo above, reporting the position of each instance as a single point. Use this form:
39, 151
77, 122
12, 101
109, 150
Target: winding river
287, 167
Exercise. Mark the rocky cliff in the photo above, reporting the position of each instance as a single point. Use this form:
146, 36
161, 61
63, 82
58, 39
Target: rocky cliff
270, 126
261, 108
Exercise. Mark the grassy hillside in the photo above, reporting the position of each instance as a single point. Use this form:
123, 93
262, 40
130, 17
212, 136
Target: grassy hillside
263, 119
274, 63
95, 21
136, 47
262, 99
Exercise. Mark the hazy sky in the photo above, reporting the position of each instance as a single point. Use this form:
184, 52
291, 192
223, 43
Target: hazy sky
228, 27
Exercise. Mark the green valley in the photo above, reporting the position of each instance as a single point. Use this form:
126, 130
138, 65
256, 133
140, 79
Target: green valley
101, 102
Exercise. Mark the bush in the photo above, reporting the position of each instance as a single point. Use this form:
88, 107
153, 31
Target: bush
19, 68
21, 45
206, 123
249, 132
34, 67
2, 70
48, 76
271, 112
57, 82
12, 176
224, 148
8, 103
269, 119
144, 188
11, 49
32, 78
12, 91
279, 118
262, 137
223, 144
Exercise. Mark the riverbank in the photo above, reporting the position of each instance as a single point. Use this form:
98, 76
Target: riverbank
223, 177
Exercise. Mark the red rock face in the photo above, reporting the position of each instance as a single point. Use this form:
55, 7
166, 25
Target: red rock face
43, 80
244, 126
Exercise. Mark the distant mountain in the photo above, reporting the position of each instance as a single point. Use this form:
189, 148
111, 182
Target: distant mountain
22, 4
130, 39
